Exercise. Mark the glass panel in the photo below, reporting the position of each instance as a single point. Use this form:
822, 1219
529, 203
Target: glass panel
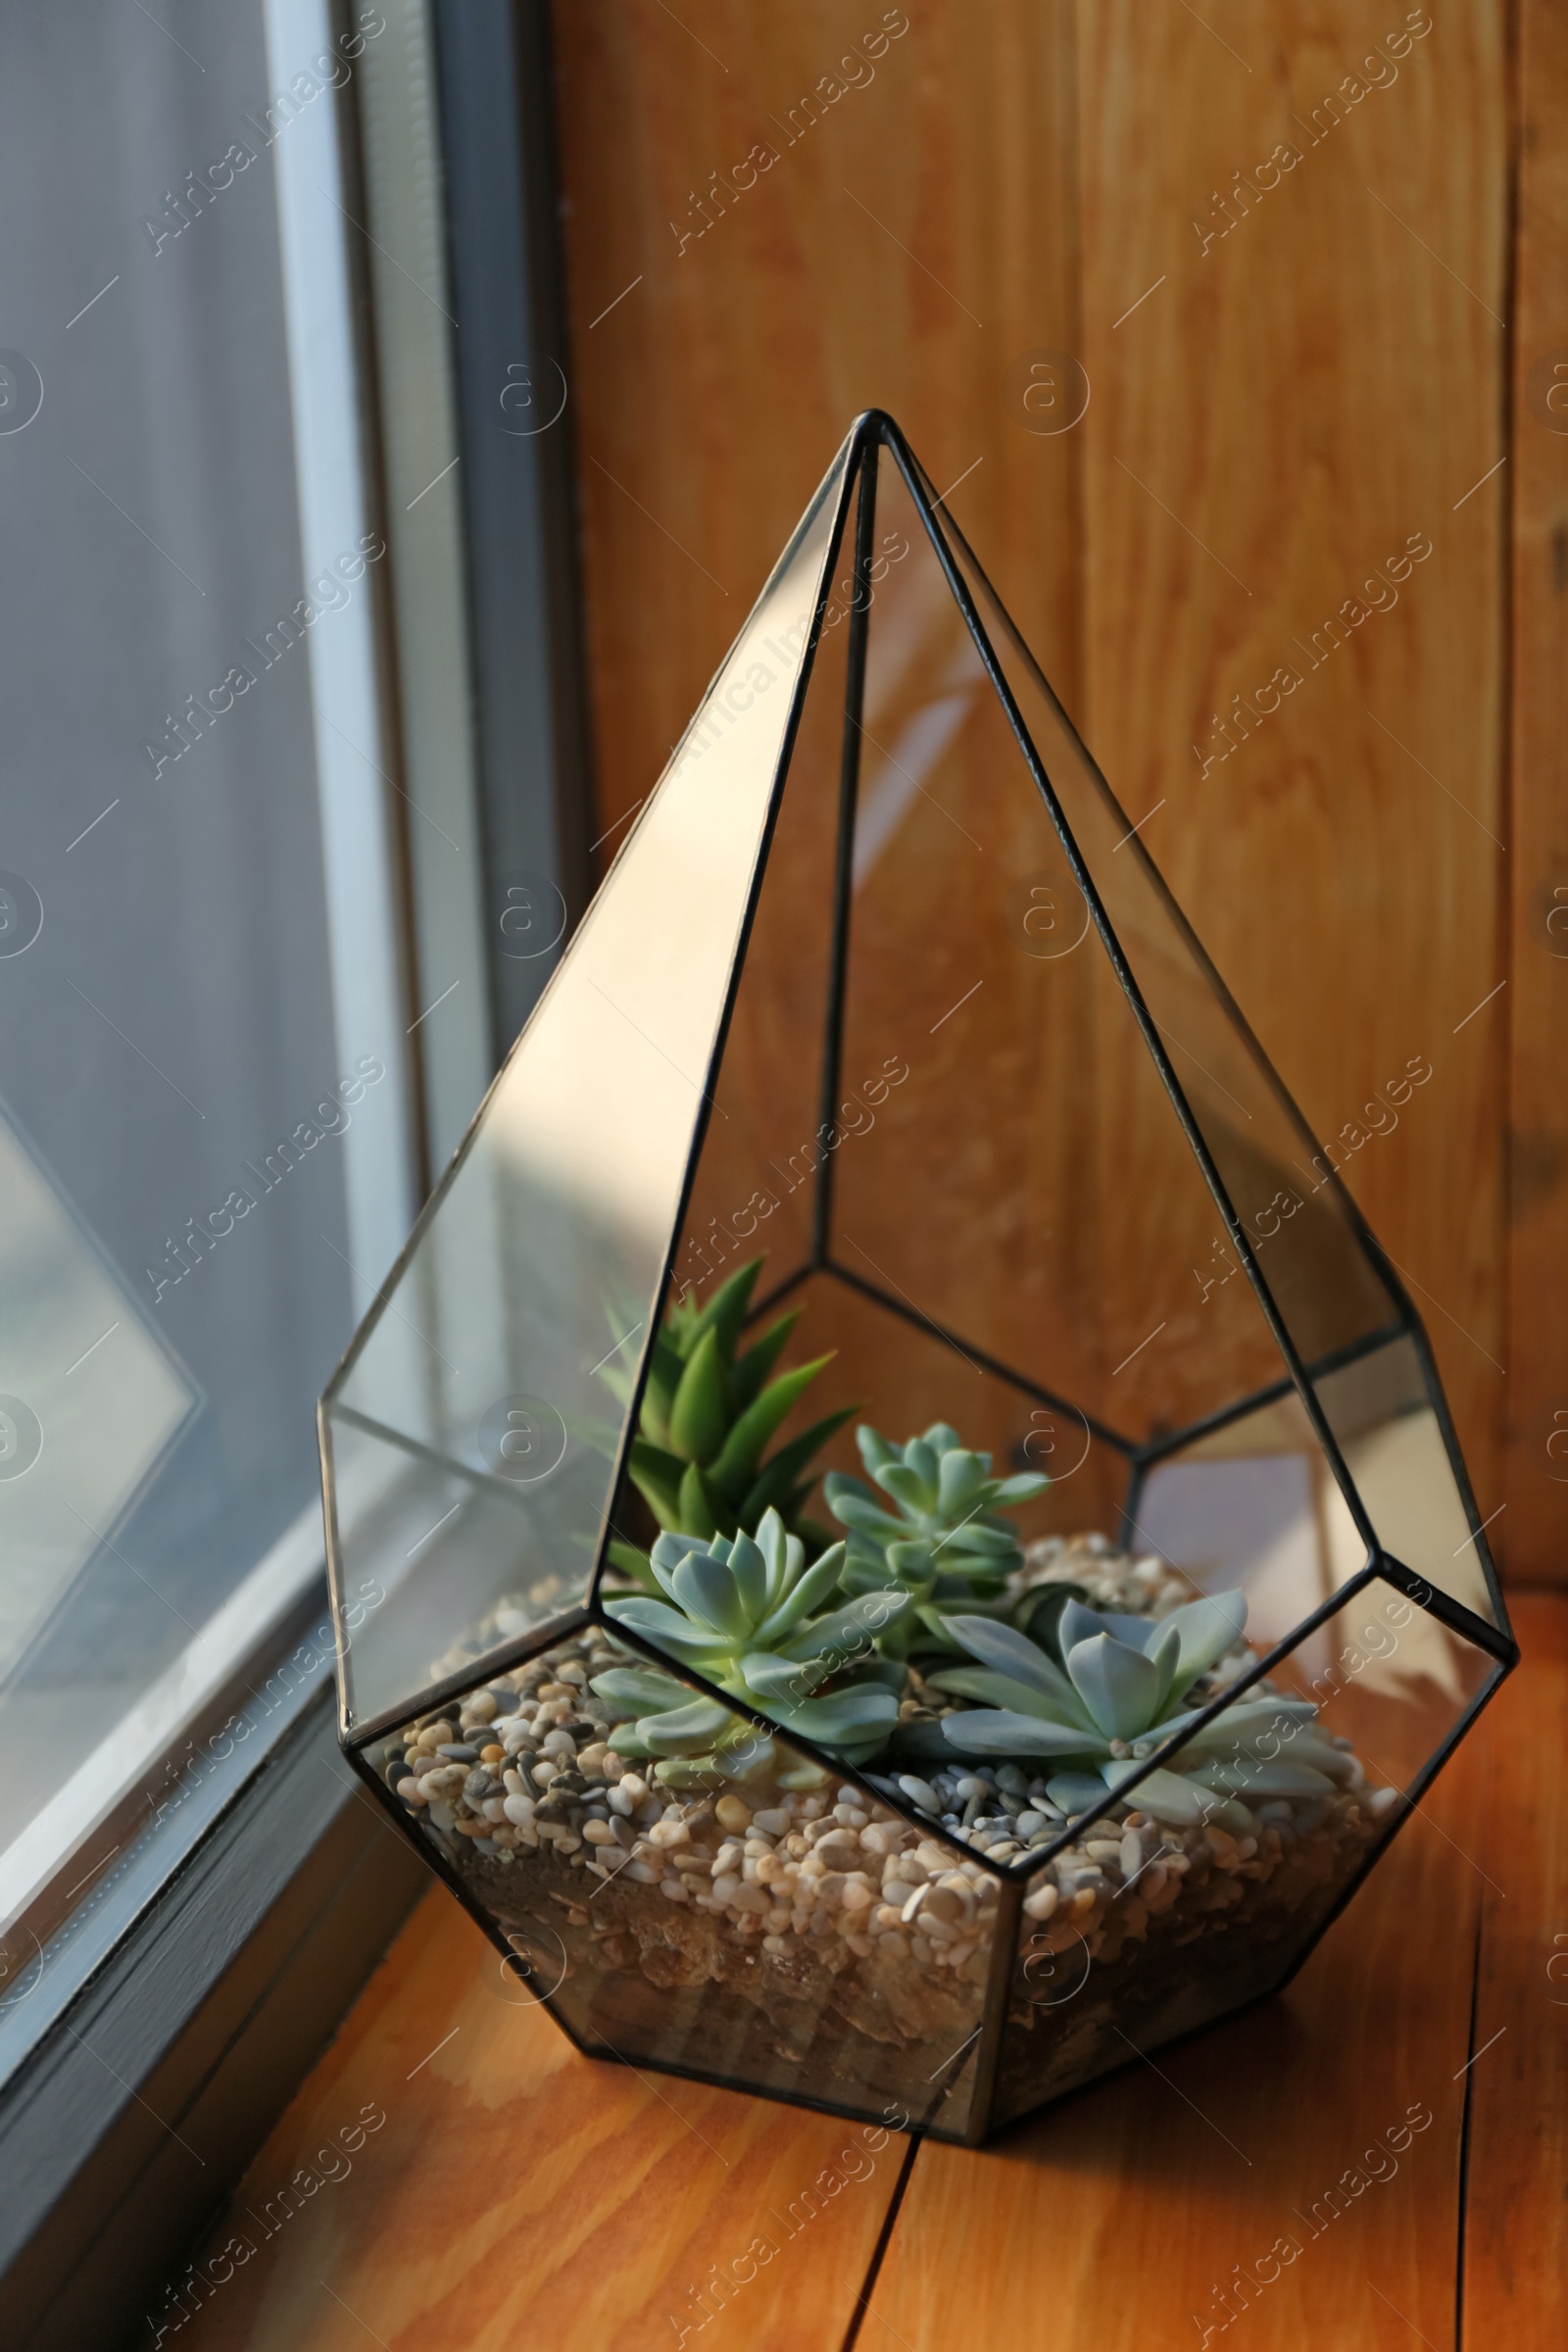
1382, 1411
202, 1140
1196, 1891
1253, 1507
1325, 1284
497, 1358
1027, 1185
740, 1914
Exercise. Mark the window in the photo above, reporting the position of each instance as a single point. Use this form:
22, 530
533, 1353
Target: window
209, 1089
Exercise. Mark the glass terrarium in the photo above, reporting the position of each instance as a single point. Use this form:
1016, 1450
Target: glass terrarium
895, 1538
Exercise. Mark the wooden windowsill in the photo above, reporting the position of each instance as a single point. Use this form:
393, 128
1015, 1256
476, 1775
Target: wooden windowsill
517, 2195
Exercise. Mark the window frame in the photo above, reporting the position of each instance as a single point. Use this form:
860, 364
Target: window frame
216, 1961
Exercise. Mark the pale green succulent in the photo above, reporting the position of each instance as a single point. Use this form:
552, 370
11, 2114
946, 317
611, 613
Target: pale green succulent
1119, 1693
740, 1611
935, 1532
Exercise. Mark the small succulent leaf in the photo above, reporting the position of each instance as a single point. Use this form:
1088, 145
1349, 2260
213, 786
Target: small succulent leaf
664, 1367
706, 1589
725, 1311
701, 1510
1116, 1683
1080, 1623
751, 1373
921, 1457
921, 1743
859, 1511
1076, 1793
935, 1621
867, 1569
812, 1586
851, 1630
1023, 1698
1006, 1651
671, 1548
625, 1740
742, 1449
769, 1676
904, 1484
1164, 1653
913, 1559
640, 1690
775, 1483
1168, 1797
774, 1544
682, 1729
839, 1482
980, 1540
943, 1437
1248, 1779
631, 1562
961, 1482
668, 1631
866, 1709
657, 1476
1207, 1628
874, 1449
1021, 1488
1038, 1613
699, 1416
1249, 1720
984, 1732
748, 1568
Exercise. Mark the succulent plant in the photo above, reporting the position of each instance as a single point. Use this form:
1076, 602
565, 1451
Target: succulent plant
935, 1532
1119, 1693
708, 1412
739, 1610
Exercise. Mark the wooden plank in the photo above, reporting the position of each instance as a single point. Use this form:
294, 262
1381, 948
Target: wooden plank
517, 2193
1265, 433
863, 266
1030, 181
1536, 1539
1136, 2213
1516, 2221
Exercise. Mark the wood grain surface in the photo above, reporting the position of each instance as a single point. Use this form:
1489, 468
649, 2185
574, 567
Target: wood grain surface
1516, 2257
1289, 383
518, 2194
1538, 992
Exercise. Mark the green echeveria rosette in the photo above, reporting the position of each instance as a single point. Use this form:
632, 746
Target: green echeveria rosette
935, 1531
708, 1413
1119, 1692
740, 1610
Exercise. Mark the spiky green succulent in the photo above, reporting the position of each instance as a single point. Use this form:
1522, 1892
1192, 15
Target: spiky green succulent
746, 1612
708, 1414
936, 1530
1119, 1688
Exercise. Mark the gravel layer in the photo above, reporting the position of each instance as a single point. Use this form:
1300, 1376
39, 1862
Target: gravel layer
806, 1938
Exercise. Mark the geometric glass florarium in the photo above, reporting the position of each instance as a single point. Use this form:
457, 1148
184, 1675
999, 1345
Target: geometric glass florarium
885, 1089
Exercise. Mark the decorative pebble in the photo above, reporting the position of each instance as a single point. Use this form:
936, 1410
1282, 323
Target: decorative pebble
920, 1791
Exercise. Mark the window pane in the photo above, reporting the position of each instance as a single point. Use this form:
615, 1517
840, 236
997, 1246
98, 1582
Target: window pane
184, 1098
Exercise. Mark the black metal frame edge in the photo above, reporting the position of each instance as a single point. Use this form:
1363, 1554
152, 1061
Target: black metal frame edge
844, 853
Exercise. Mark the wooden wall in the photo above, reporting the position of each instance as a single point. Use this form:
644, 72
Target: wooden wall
1294, 374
